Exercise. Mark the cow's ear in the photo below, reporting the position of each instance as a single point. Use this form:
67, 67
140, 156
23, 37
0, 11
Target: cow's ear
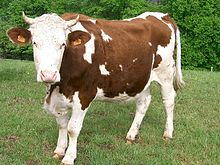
19, 36
77, 38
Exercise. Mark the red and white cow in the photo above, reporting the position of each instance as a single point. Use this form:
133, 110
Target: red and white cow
82, 59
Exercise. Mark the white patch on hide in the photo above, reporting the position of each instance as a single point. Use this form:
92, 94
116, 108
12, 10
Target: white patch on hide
76, 101
121, 68
161, 50
93, 21
150, 44
58, 103
158, 15
122, 97
103, 70
79, 27
99, 94
90, 49
105, 37
134, 60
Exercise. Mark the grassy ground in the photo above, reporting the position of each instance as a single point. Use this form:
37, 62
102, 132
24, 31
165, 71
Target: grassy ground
28, 134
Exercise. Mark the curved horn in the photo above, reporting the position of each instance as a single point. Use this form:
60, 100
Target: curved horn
73, 21
27, 19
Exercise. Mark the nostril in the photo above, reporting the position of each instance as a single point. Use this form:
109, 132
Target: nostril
42, 73
54, 74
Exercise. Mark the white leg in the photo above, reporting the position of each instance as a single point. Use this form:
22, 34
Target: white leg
164, 76
168, 96
142, 105
62, 138
74, 128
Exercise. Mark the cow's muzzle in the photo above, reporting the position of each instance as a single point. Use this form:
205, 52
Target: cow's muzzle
49, 76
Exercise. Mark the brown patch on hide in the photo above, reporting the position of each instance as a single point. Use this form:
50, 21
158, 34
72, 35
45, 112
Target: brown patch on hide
157, 61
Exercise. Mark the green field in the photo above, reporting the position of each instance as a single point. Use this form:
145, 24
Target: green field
28, 134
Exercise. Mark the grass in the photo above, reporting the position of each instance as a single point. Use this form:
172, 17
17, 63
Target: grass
28, 134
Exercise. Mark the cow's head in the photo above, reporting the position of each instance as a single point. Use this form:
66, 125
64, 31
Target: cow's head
48, 35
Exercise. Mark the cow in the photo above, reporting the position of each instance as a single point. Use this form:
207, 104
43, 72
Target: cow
81, 59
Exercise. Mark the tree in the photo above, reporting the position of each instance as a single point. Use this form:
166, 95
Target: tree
198, 20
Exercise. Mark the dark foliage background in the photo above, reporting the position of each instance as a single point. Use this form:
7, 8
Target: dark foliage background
198, 20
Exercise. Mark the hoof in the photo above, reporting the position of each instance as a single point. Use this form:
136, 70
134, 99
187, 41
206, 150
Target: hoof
58, 157
167, 138
132, 139
129, 142
65, 164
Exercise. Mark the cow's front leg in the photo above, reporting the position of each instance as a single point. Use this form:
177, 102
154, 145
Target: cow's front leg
62, 122
74, 128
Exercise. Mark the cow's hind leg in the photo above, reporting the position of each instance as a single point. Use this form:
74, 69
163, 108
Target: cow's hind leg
165, 79
62, 122
142, 104
168, 95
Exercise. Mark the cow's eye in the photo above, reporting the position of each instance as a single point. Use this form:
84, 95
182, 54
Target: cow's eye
34, 43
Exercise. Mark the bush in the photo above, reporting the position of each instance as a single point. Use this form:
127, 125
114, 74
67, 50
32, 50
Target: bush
198, 20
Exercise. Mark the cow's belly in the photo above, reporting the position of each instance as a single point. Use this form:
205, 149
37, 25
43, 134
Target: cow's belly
121, 97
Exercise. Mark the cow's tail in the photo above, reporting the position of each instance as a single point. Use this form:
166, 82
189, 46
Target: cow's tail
178, 79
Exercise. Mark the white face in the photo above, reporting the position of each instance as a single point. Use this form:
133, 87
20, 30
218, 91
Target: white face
49, 34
